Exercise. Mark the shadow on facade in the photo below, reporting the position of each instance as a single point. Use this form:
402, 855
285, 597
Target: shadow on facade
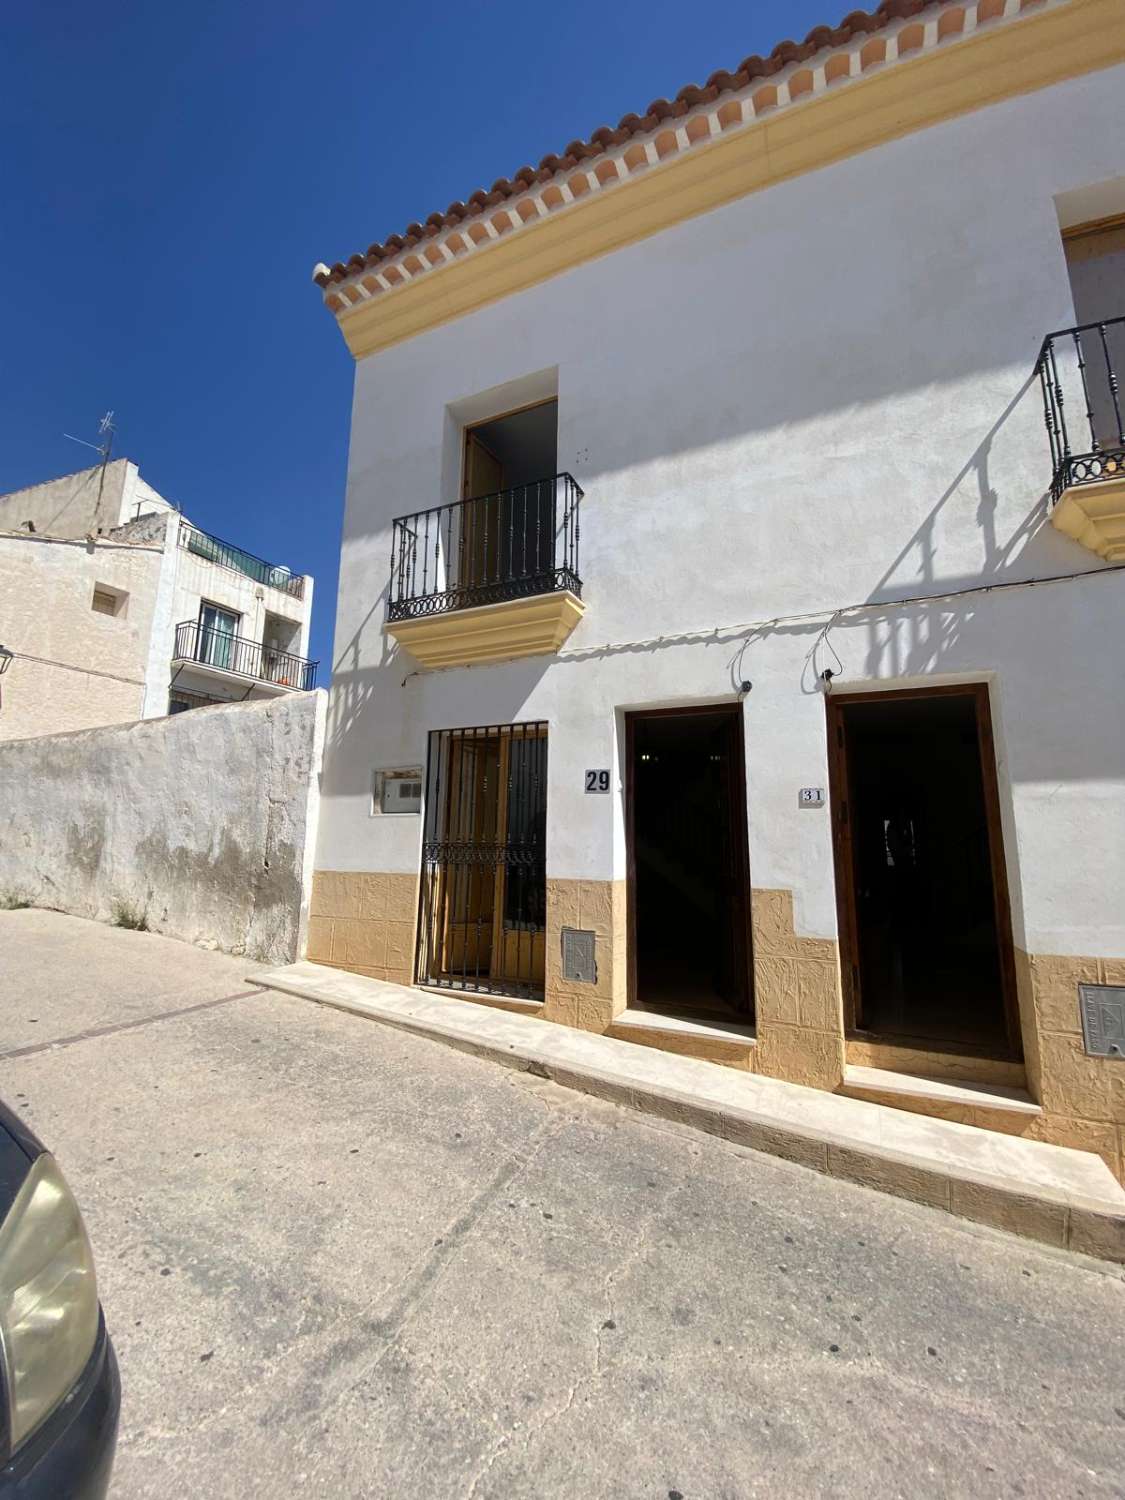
361, 696
930, 635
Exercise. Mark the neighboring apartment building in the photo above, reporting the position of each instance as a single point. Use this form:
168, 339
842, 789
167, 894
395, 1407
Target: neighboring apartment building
115, 607
747, 680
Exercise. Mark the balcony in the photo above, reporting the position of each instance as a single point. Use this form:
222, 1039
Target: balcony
217, 654
490, 578
238, 560
1079, 374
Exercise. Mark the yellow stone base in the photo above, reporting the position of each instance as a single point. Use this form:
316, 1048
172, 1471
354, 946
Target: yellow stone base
1083, 1097
797, 1001
365, 922
596, 906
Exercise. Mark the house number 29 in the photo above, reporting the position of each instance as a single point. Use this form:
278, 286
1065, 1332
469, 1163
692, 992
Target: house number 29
597, 781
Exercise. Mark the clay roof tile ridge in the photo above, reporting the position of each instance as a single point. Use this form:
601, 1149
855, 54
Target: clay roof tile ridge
785, 53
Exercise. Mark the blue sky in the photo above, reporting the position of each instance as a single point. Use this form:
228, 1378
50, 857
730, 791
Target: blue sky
172, 172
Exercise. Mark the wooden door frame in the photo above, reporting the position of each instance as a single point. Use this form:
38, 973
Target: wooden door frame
843, 855
741, 840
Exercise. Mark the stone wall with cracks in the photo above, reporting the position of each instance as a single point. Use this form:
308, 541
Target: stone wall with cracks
202, 826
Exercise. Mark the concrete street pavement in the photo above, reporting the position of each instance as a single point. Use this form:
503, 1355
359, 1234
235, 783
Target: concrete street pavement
338, 1260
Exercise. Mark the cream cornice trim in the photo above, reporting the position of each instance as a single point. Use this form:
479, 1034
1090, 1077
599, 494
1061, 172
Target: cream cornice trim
948, 74
1108, 225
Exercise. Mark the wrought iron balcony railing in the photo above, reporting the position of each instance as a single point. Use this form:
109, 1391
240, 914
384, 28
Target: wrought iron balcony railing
1079, 370
510, 545
232, 653
238, 560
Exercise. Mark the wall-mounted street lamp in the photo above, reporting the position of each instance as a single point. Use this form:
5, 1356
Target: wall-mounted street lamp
5, 659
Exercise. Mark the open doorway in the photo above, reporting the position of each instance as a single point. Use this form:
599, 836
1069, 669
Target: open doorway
688, 865
281, 639
924, 919
508, 528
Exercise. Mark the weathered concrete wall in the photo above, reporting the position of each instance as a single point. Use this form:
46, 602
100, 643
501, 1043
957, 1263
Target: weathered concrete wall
75, 667
203, 823
91, 502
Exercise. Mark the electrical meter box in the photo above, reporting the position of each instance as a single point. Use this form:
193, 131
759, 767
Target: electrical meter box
398, 791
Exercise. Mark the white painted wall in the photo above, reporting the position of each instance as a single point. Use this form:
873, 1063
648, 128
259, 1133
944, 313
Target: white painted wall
819, 396
91, 501
98, 503
162, 634
198, 579
140, 499
88, 501
201, 822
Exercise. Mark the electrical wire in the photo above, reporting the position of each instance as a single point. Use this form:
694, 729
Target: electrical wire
832, 617
47, 661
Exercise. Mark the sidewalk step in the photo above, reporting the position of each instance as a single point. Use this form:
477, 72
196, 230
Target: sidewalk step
1049, 1193
951, 1099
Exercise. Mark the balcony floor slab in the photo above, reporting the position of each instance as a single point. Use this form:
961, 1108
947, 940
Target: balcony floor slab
534, 626
209, 673
1094, 515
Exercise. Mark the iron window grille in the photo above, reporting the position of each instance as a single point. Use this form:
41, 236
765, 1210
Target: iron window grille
510, 545
213, 647
179, 701
1079, 374
483, 898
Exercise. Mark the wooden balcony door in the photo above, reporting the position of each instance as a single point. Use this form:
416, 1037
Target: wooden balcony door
480, 520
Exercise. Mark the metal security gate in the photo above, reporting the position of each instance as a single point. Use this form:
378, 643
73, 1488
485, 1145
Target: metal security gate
484, 871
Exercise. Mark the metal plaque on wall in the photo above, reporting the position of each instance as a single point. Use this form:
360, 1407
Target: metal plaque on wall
1103, 1019
578, 961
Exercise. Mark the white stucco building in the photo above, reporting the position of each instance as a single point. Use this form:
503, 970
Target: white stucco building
747, 675
113, 606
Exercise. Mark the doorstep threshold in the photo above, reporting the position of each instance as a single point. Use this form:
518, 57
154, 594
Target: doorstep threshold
520, 1005
940, 1090
1053, 1194
650, 1020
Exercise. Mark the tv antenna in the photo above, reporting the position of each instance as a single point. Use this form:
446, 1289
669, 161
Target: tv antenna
106, 428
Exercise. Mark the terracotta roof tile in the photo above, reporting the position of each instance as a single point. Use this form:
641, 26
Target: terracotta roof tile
858, 22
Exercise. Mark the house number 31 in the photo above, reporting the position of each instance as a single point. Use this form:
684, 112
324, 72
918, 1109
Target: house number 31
597, 781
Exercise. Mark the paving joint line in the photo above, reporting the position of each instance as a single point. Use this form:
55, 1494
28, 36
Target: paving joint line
117, 1026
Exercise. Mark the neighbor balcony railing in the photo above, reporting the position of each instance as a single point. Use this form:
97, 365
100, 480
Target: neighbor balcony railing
1080, 373
509, 545
238, 560
231, 653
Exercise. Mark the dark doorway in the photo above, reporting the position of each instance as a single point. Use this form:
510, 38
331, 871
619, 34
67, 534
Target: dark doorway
688, 866
924, 922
